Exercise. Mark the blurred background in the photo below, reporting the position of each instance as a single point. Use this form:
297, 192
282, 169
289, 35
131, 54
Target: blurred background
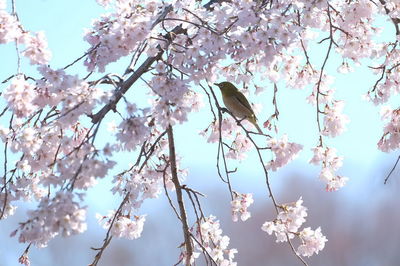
361, 221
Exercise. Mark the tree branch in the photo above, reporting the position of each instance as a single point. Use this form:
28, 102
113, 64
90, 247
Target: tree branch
178, 188
125, 85
395, 21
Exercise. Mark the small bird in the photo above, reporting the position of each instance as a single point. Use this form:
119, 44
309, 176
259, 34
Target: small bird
237, 103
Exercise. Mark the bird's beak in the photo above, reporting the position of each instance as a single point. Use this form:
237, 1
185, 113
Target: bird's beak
216, 84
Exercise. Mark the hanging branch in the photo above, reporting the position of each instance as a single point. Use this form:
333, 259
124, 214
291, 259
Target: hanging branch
331, 43
259, 149
179, 197
221, 152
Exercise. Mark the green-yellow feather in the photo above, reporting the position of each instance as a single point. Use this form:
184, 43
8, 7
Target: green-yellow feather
229, 90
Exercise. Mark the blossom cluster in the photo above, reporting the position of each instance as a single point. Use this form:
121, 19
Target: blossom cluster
137, 185
230, 130
209, 235
140, 186
123, 226
58, 215
334, 120
173, 100
132, 132
284, 152
387, 85
391, 137
287, 224
46, 147
5, 200
24, 259
239, 148
334, 124
36, 48
10, 29
330, 164
239, 206
74, 95
313, 241
147, 182
20, 96
119, 33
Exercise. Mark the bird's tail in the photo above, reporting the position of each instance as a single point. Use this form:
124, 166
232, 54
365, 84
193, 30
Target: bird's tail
258, 128
253, 120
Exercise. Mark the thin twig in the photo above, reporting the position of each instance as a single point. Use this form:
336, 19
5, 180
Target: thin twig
331, 42
391, 171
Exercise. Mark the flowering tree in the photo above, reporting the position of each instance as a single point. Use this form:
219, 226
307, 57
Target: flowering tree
51, 121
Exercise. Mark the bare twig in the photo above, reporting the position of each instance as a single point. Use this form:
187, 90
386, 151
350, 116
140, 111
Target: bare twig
380, 78
14, 13
81, 57
391, 171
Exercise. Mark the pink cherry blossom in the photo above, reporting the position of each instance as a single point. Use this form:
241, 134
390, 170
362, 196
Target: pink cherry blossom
210, 235
284, 152
239, 206
58, 215
240, 146
20, 96
24, 259
10, 29
36, 48
312, 242
228, 130
334, 120
390, 139
289, 220
330, 163
123, 227
132, 132
287, 225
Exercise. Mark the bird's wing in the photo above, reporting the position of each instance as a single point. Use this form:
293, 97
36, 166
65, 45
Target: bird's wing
243, 101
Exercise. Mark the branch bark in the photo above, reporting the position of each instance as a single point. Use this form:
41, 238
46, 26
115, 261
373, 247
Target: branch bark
179, 197
124, 87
